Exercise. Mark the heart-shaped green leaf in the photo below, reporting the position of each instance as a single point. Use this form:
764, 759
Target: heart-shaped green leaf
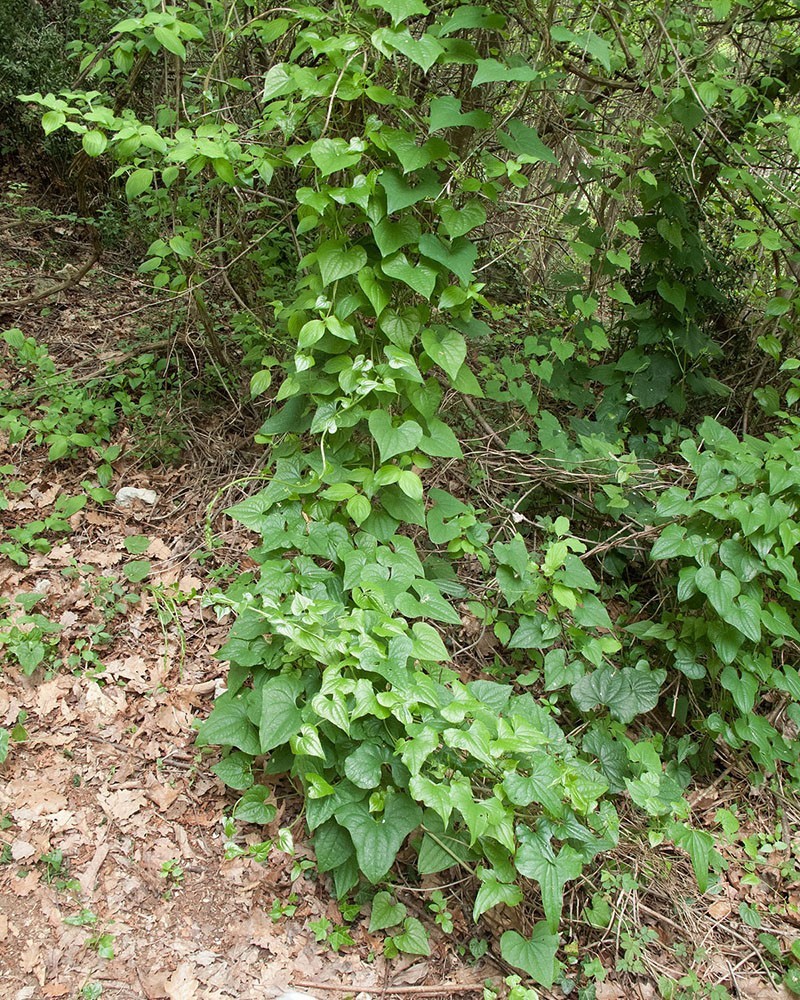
536, 956
420, 277
459, 257
337, 261
460, 221
377, 841
446, 347
393, 440
280, 716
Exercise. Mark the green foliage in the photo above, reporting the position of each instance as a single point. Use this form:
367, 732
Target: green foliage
70, 414
374, 154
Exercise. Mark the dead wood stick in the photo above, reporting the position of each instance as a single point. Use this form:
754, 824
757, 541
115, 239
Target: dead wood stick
46, 293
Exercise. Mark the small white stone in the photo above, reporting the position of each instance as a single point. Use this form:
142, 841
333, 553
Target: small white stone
128, 494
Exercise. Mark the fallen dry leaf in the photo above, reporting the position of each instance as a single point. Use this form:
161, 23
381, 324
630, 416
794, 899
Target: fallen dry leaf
123, 804
182, 984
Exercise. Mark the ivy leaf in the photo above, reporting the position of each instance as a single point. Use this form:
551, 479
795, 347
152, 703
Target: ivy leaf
446, 348
280, 717
699, 845
400, 10
427, 643
413, 940
393, 440
535, 955
377, 841
385, 913
492, 71
537, 860
401, 194
229, 725
235, 770
525, 144
627, 692
492, 893
333, 846
720, 590
460, 221
420, 277
459, 257
378, 294
672, 292
445, 112
423, 51
253, 807
392, 236
336, 262
331, 155
440, 441
363, 765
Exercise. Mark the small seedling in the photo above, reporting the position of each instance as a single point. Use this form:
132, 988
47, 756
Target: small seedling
279, 909
442, 916
172, 871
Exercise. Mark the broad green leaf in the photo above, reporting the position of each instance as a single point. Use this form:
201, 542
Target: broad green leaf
440, 441
424, 51
229, 725
333, 846
136, 544
253, 806
139, 181
493, 893
280, 717
536, 859
400, 10
720, 590
401, 194
359, 508
137, 571
459, 257
535, 955
446, 348
170, 40
377, 840
235, 770
385, 912
53, 120
393, 440
376, 290
363, 765
94, 143
337, 261
460, 221
492, 71
392, 236
699, 846
331, 155
413, 939
420, 277
445, 112
524, 142
673, 292
428, 644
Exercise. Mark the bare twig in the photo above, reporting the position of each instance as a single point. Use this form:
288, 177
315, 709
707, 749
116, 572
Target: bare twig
73, 279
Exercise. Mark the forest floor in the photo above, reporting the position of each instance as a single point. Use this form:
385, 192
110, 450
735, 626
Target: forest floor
118, 877
114, 875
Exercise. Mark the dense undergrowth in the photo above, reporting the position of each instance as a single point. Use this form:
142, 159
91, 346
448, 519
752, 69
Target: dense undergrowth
516, 288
